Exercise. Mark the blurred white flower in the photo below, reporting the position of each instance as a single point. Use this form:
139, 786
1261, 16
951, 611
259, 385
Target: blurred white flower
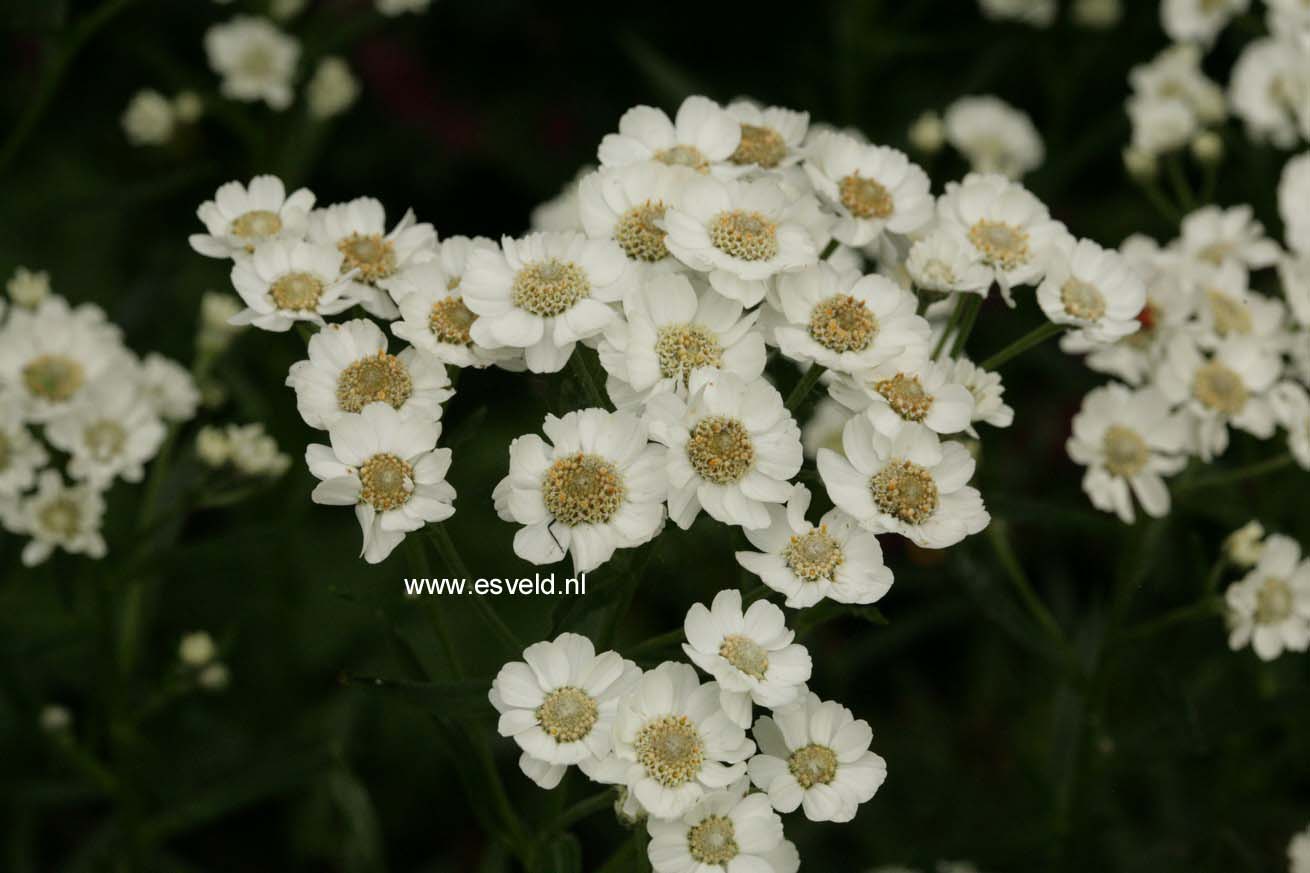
1097, 14
1294, 203
400, 7
28, 287
241, 217
1244, 545
1038, 13
1199, 20
1091, 289
110, 433
943, 260
55, 718
370, 255
196, 649
168, 387
1269, 608
60, 516
1298, 852
332, 89
771, 136
255, 60
994, 136
703, 134
928, 133
149, 118
873, 188
989, 405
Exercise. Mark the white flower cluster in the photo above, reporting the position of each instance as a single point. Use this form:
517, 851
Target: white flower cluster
1268, 609
73, 396
679, 749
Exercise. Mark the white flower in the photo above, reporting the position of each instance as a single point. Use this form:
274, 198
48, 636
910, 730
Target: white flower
943, 260
910, 388
1038, 13
1269, 609
1010, 230
149, 118
168, 387
560, 213
909, 483
55, 718
1227, 386
349, 367
392, 8
28, 287
370, 255
1291, 406
703, 134
256, 60
240, 217
595, 487
1294, 273
196, 649
1128, 440
286, 281
1243, 546
542, 293
1226, 306
989, 406
1160, 124
1097, 14
113, 431
740, 232
669, 332
834, 559
673, 743
1175, 74
253, 452
771, 136
627, 205
21, 454
733, 446
843, 321
213, 677
60, 516
1199, 20
54, 353
1268, 90
333, 89
559, 702
1294, 203
928, 132
725, 832
1217, 236
872, 188
1298, 852
212, 447
388, 467
750, 654
822, 430
1093, 289
994, 136
815, 755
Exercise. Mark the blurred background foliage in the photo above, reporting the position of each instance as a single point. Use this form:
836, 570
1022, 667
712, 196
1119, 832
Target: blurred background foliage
1128, 747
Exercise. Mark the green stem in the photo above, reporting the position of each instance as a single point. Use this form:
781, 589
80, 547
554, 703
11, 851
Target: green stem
998, 533
306, 331
1034, 337
1207, 607
656, 643
1239, 474
1162, 204
952, 323
828, 250
1178, 180
973, 305
582, 809
414, 551
802, 389
450, 554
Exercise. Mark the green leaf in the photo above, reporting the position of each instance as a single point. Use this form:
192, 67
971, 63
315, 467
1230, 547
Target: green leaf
564, 855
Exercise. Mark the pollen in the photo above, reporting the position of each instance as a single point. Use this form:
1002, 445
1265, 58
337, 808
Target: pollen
905, 395
746, 655
1230, 316
720, 450
371, 254
582, 489
104, 439
813, 765
865, 198
639, 234
372, 379
1126, 452
747, 236
670, 749
55, 378
1001, 245
1219, 388
684, 156
387, 482
1082, 300
906, 491
713, 841
568, 714
256, 224
297, 292
843, 323
762, 146
682, 348
549, 288
450, 321
1273, 602
815, 555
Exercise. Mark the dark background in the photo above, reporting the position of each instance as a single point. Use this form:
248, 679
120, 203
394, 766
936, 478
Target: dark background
1162, 752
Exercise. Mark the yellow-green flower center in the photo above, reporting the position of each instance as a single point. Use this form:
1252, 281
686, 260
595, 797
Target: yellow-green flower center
55, 378
1126, 452
670, 749
1273, 601
842, 323
387, 480
60, 517
720, 449
713, 841
104, 439
1001, 245
1230, 316
682, 348
1219, 388
813, 765
582, 489
905, 394
639, 234
683, 156
747, 236
905, 490
256, 224
745, 654
450, 321
568, 714
549, 288
814, 555
1082, 300
297, 292
376, 378
864, 197
371, 254
762, 146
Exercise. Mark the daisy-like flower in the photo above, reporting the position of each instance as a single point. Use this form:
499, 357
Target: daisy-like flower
771, 137
369, 254
558, 704
909, 388
1160, 124
1291, 405
240, 217
703, 134
843, 321
994, 136
1216, 236
1268, 84
349, 367
59, 516
21, 454
834, 559
750, 654
733, 446
943, 260
1226, 307
54, 353
1128, 440
1093, 289
256, 60
909, 483
669, 332
389, 468
1269, 608
989, 405
1009, 229
286, 281
1199, 20
542, 293
1219, 388
597, 486
112, 432
726, 832
627, 205
873, 188
168, 387
1174, 77
739, 232
673, 743
815, 755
